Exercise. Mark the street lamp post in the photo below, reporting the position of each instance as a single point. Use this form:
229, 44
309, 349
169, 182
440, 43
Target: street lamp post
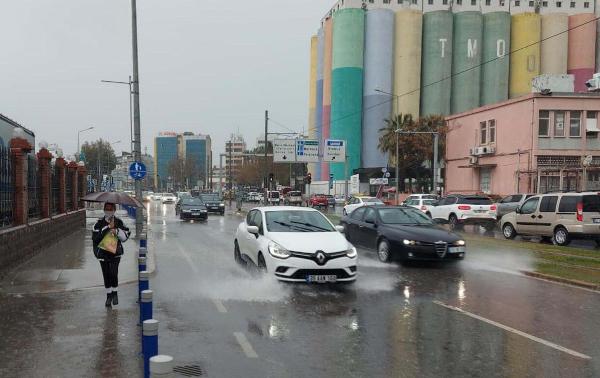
137, 150
78, 150
128, 83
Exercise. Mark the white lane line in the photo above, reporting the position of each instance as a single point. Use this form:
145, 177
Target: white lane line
220, 306
245, 344
516, 331
187, 257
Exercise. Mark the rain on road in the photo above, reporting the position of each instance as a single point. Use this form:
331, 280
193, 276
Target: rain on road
477, 317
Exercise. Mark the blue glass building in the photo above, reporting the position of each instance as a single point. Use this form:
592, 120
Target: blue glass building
165, 150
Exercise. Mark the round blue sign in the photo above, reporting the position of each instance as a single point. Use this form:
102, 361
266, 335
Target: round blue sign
137, 170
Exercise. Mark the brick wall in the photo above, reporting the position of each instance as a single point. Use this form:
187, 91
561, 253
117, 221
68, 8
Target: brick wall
17, 244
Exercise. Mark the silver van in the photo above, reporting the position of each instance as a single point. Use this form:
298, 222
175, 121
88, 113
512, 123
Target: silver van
560, 217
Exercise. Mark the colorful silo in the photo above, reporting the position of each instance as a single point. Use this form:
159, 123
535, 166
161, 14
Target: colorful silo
312, 95
347, 85
319, 98
495, 57
378, 73
555, 42
326, 116
466, 61
436, 63
525, 52
582, 48
407, 61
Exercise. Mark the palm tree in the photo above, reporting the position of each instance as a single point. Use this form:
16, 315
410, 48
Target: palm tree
389, 142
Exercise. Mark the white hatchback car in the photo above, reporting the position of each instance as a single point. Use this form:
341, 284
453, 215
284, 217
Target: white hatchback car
359, 201
295, 244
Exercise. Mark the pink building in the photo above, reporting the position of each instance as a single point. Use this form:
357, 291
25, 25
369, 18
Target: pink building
535, 143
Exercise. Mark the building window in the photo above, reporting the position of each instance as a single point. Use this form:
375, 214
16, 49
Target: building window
492, 130
572, 4
517, 3
574, 123
483, 133
531, 4
445, 2
586, 4
458, 2
488, 2
473, 2
559, 124
399, 1
430, 2
544, 123
414, 1
558, 4
485, 179
386, 1
544, 3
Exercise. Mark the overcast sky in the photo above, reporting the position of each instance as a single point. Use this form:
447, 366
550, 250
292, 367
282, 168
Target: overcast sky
207, 66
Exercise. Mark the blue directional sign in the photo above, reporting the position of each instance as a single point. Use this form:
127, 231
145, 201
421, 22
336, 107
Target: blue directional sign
137, 170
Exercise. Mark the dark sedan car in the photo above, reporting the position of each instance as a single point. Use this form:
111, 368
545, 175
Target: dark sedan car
213, 203
401, 232
192, 208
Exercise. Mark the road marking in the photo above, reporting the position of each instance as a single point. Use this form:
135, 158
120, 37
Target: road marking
516, 331
187, 257
245, 344
220, 306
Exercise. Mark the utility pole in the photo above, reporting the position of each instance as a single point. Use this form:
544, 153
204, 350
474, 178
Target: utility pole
230, 169
436, 138
137, 145
266, 173
346, 177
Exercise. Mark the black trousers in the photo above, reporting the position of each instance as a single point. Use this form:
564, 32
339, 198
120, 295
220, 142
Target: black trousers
110, 272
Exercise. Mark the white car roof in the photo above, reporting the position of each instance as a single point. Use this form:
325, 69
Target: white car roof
284, 208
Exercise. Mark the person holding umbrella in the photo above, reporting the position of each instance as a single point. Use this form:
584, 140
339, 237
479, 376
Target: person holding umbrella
108, 235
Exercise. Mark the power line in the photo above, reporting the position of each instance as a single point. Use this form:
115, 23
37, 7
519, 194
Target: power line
457, 73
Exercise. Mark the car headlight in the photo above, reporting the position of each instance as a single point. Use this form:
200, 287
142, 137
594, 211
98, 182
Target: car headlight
408, 242
186, 211
222, 204
351, 252
278, 251
460, 242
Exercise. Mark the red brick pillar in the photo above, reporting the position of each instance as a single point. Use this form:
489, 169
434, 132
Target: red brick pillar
72, 170
81, 177
61, 166
19, 148
44, 156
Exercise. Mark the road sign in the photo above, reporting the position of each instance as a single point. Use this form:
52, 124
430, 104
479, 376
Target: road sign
384, 170
284, 150
378, 181
335, 150
137, 170
354, 184
387, 174
307, 151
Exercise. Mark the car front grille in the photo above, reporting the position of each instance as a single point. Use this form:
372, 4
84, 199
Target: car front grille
302, 273
313, 256
441, 248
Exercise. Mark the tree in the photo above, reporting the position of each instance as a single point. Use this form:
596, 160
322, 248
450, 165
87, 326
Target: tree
99, 158
183, 172
414, 149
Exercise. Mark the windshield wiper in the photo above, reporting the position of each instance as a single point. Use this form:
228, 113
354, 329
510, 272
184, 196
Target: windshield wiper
292, 225
312, 225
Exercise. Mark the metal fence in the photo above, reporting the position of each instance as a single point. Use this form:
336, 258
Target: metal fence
69, 191
55, 191
33, 188
6, 188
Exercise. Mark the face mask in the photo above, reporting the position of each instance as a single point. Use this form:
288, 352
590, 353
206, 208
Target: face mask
109, 214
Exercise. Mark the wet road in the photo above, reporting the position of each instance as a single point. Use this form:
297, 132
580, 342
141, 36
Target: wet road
479, 317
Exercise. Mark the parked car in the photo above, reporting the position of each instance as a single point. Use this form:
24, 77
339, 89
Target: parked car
253, 197
193, 208
419, 203
421, 197
168, 198
560, 217
359, 201
295, 244
213, 203
273, 197
318, 200
401, 232
510, 203
458, 210
293, 198
330, 200
340, 199
156, 196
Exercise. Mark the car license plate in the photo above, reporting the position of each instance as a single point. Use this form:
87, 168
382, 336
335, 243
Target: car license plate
596, 220
321, 278
456, 249
480, 211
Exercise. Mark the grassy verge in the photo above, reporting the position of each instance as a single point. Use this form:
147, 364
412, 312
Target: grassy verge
566, 263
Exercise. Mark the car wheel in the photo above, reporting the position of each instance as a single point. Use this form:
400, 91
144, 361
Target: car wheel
509, 231
453, 221
561, 236
237, 255
384, 252
262, 265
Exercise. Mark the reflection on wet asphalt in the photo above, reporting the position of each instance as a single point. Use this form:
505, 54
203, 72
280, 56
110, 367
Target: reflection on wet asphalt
394, 321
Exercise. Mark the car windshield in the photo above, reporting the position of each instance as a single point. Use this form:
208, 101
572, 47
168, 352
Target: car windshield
192, 202
372, 200
429, 196
297, 221
398, 215
210, 197
475, 201
428, 202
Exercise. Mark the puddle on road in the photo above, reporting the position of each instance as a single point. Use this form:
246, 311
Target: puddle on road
502, 260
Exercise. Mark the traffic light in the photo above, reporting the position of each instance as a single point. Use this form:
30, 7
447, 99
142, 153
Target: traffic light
271, 177
308, 178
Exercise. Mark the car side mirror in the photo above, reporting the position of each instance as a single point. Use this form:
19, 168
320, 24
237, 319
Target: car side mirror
518, 210
340, 229
252, 229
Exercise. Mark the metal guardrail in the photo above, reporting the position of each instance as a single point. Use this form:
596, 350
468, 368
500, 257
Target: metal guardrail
6, 188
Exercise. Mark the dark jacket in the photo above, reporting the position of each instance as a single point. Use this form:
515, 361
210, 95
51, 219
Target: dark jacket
101, 228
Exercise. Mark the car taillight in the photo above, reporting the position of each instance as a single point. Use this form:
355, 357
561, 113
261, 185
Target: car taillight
464, 207
493, 208
580, 211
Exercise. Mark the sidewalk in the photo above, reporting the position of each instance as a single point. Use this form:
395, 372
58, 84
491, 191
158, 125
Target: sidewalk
52, 316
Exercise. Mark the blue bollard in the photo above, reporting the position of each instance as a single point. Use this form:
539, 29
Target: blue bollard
149, 343
141, 264
143, 242
146, 306
143, 284
143, 252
